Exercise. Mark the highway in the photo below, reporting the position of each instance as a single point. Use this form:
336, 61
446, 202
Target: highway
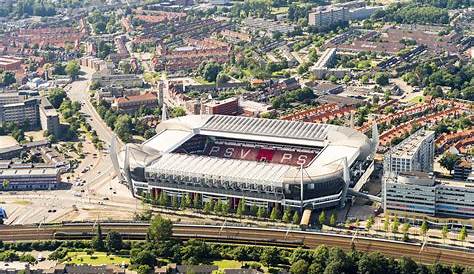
247, 235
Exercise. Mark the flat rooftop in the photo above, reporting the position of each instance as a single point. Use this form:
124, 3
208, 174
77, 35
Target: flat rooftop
48, 171
410, 145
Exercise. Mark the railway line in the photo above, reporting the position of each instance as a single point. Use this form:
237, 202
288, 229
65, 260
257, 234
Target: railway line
245, 235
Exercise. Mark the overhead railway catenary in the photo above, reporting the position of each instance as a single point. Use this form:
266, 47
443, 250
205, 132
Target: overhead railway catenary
247, 235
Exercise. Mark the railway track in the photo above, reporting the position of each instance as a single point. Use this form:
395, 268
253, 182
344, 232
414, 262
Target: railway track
245, 235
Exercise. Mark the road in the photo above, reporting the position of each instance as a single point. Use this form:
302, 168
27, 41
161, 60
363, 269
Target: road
248, 235
99, 197
78, 91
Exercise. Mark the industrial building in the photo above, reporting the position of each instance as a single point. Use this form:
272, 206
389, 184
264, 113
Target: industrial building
267, 162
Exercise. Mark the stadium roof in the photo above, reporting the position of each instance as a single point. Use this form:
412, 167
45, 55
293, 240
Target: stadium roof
266, 127
337, 143
219, 168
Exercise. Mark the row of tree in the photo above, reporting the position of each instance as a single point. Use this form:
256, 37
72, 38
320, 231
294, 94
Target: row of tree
222, 207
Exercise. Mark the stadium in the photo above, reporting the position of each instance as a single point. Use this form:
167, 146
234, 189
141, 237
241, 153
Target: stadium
267, 162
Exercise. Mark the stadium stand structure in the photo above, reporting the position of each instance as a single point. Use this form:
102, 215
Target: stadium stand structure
267, 162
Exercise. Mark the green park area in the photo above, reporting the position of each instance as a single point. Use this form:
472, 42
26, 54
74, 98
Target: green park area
97, 258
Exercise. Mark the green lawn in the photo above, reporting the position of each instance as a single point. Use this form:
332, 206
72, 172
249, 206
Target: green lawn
98, 258
225, 264
417, 100
280, 10
202, 81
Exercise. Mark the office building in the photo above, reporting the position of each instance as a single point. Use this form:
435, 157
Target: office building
415, 153
29, 178
420, 194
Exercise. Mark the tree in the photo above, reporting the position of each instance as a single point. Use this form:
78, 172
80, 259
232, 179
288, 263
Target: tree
196, 201
241, 207
386, 223
322, 218
174, 201
163, 200
114, 241
370, 222
462, 234
5, 183
406, 228
296, 218
208, 206
98, 240
270, 256
333, 79
381, 78
123, 127
210, 70
142, 257
144, 269
178, 112
275, 214
395, 225
56, 97
160, 229
218, 207
444, 232
222, 78
187, 200
7, 78
225, 208
299, 267
424, 228
449, 161
364, 79
261, 212
333, 219
407, 265
72, 69
286, 215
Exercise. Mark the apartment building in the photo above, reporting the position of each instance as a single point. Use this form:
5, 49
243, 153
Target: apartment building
324, 67
123, 80
11, 63
415, 153
191, 56
18, 109
327, 16
130, 104
49, 117
419, 194
228, 106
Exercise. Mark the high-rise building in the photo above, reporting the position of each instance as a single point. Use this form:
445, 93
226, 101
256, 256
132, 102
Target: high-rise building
415, 153
18, 109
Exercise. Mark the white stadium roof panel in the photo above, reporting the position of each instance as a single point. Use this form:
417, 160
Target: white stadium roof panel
212, 167
266, 127
168, 140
